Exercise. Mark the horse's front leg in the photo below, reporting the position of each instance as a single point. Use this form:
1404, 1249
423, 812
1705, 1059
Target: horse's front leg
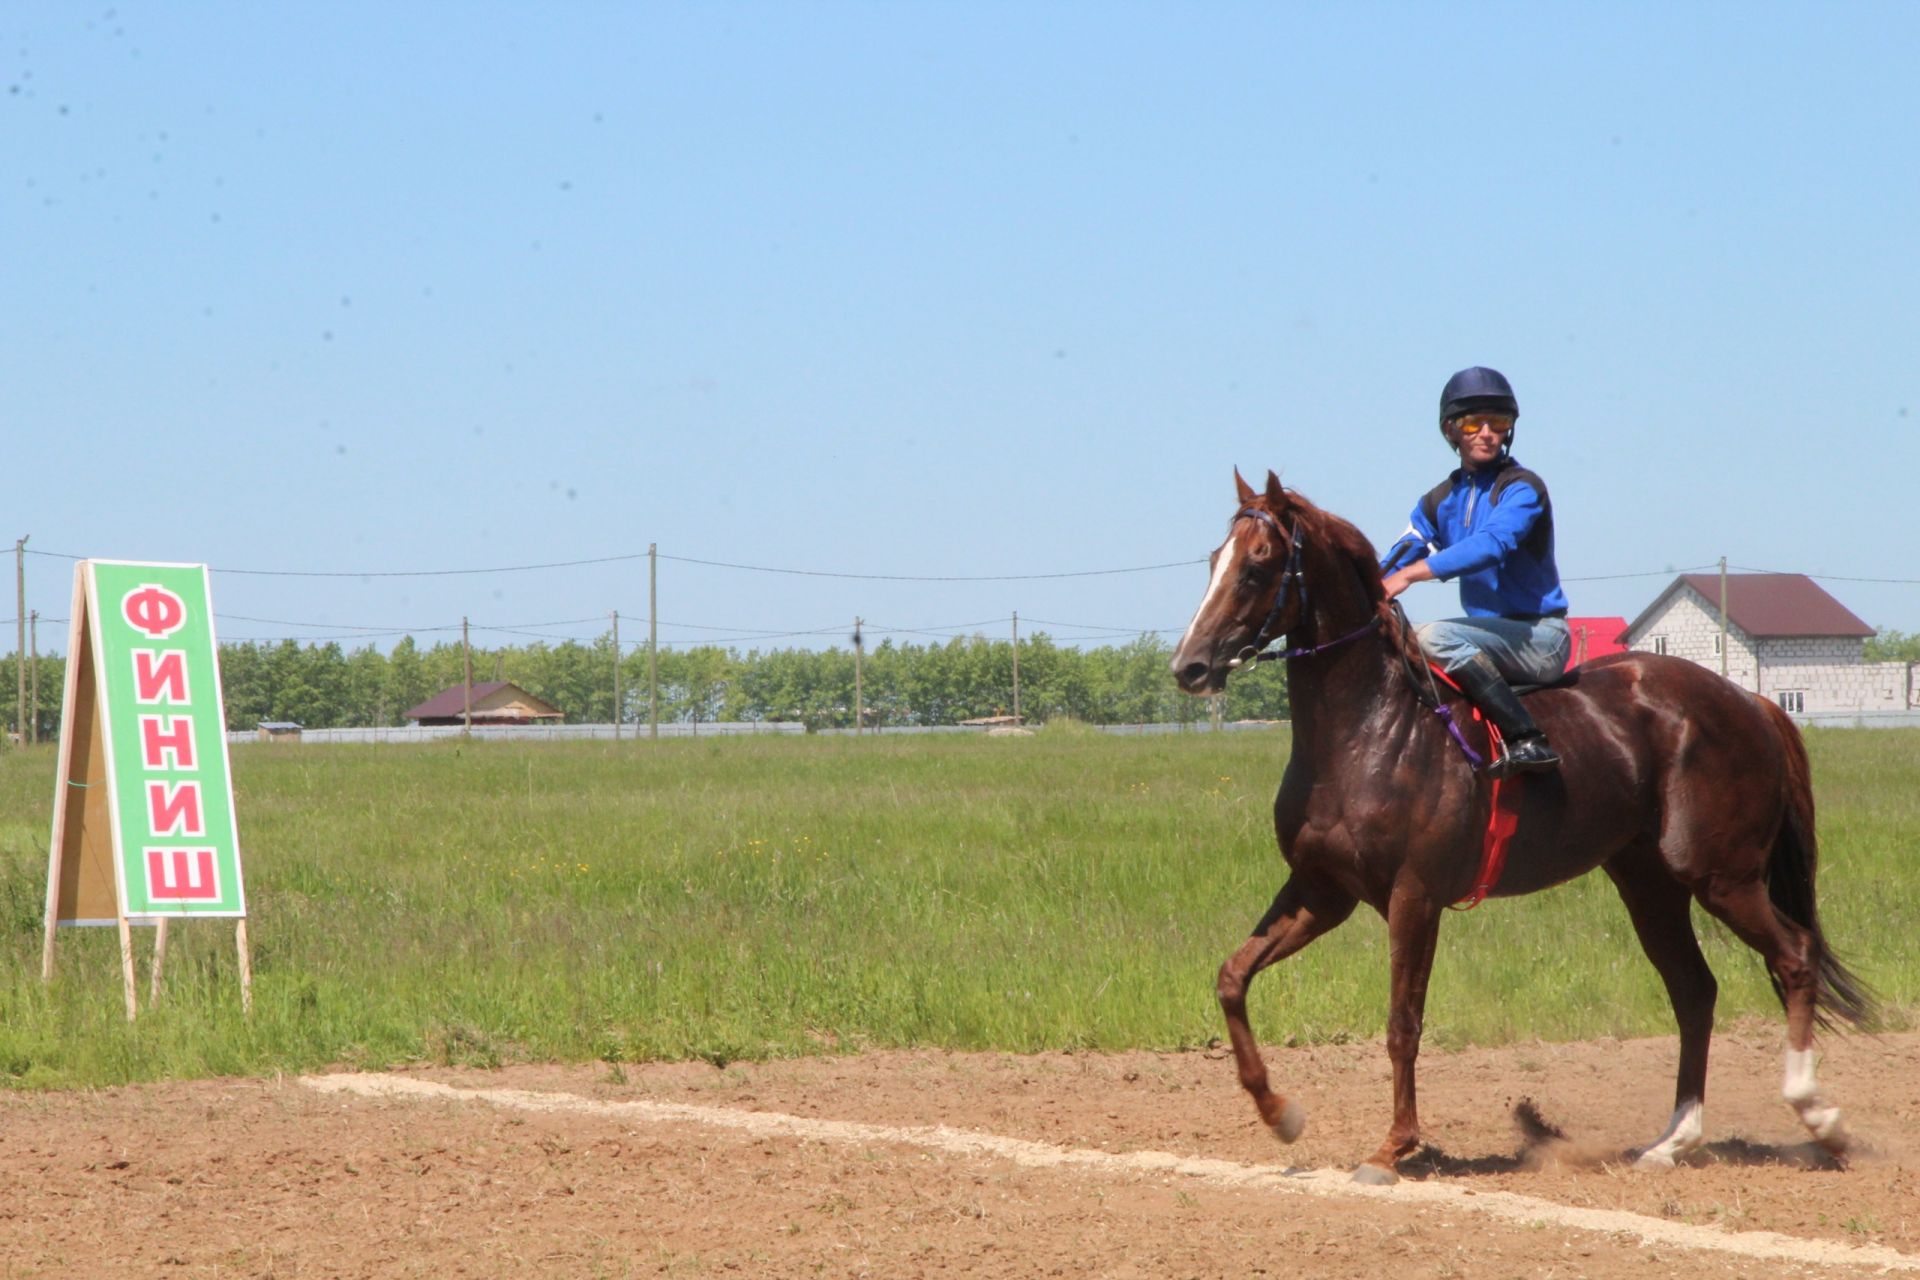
1301, 911
1413, 929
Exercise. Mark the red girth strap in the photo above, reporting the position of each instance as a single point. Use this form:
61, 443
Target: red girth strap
1502, 820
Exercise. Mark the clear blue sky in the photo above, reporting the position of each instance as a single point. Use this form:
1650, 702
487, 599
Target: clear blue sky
938, 289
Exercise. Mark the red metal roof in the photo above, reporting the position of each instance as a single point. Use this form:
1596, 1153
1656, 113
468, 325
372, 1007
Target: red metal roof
1769, 604
1595, 638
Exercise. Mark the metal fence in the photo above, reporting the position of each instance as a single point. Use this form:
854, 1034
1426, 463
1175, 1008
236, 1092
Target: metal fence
530, 732
677, 729
746, 728
1858, 720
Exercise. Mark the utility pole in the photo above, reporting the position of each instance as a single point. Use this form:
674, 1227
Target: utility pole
33, 689
653, 640
20, 648
1016, 666
859, 701
1723, 617
466, 660
616, 675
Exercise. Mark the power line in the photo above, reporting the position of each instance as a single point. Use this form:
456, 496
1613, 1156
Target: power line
872, 577
909, 577
1650, 573
641, 555
1830, 577
1091, 626
422, 573
383, 629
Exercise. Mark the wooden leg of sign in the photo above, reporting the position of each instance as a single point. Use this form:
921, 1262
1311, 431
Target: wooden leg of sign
159, 959
46, 951
126, 966
246, 966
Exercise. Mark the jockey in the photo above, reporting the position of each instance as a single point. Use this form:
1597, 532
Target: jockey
1490, 525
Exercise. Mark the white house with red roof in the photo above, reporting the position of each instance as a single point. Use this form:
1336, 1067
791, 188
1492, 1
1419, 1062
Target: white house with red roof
1786, 639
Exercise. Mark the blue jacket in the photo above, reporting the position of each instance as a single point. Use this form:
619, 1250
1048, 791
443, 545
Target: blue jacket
1493, 530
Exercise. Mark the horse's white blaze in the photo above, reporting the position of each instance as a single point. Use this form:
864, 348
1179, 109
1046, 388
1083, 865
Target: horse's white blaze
1684, 1134
1802, 1090
1222, 569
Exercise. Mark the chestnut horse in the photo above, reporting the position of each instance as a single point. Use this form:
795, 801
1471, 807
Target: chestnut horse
1677, 783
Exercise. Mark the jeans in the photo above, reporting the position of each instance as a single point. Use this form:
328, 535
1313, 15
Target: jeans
1525, 652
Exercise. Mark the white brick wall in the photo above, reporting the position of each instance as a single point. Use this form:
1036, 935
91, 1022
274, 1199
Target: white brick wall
1826, 671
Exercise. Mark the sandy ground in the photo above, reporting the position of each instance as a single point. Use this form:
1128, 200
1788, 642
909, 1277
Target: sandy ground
279, 1178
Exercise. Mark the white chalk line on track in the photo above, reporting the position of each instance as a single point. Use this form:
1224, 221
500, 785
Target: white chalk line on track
1323, 1183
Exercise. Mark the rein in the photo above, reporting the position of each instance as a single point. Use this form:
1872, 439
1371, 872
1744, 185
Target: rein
1502, 820
1258, 651
1428, 693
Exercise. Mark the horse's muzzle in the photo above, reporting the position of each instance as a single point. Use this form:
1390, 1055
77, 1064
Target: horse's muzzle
1198, 676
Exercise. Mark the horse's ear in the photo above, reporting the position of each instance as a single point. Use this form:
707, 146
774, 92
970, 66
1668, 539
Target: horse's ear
1276, 495
1245, 489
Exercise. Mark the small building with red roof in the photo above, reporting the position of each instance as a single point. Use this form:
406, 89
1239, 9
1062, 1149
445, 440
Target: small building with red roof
1786, 638
494, 702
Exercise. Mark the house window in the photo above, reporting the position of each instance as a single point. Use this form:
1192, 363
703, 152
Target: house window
1794, 700
1719, 644
1659, 644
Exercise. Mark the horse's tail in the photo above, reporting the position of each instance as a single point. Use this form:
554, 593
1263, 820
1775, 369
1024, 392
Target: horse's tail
1840, 995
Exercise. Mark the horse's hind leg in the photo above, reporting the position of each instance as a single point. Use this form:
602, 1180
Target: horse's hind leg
1792, 953
1661, 910
1301, 912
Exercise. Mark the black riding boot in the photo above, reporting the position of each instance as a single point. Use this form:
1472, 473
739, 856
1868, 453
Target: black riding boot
1527, 749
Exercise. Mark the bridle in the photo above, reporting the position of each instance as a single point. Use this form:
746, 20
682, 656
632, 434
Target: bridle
1293, 575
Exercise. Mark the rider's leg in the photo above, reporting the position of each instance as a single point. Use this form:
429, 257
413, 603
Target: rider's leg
1527, 749
1482, 654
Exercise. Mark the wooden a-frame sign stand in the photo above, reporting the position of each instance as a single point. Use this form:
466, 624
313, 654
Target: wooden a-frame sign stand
143, 822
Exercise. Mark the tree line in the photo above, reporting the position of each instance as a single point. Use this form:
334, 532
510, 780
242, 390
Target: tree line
323, 685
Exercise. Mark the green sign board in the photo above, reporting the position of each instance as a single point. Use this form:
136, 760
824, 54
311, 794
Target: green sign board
176, 846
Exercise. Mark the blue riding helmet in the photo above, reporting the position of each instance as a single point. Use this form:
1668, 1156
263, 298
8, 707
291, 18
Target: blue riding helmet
1477, 390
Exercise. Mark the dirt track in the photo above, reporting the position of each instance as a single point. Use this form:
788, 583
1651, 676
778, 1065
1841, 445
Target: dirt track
245, 1178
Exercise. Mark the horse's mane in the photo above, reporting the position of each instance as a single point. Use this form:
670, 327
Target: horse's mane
1354, 547
1346, 540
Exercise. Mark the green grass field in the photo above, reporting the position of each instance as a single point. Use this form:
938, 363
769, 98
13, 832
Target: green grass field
775, 896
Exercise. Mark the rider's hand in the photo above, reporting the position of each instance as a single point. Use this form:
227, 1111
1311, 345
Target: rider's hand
1400, 579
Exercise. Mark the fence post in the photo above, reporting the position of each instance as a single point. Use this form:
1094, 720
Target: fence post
653, 640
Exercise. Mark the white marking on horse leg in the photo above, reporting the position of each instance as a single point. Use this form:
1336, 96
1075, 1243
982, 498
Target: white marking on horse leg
1802, 1091
1293, 1122
1683, 1135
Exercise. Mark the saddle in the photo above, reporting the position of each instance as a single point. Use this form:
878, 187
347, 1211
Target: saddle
1564, 680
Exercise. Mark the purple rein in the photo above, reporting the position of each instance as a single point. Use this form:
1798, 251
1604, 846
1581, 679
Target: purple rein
1257, 651
1308, 651
1474, 759
1293, 574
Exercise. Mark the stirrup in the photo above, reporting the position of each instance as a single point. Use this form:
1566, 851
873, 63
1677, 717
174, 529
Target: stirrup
1530, 754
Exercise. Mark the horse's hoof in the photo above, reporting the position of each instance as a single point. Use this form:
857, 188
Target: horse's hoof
1292, 1123
1373, 1175
1827, 1130
1654, 1161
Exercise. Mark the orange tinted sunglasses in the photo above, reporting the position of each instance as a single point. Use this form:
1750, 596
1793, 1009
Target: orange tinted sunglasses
1474, 423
